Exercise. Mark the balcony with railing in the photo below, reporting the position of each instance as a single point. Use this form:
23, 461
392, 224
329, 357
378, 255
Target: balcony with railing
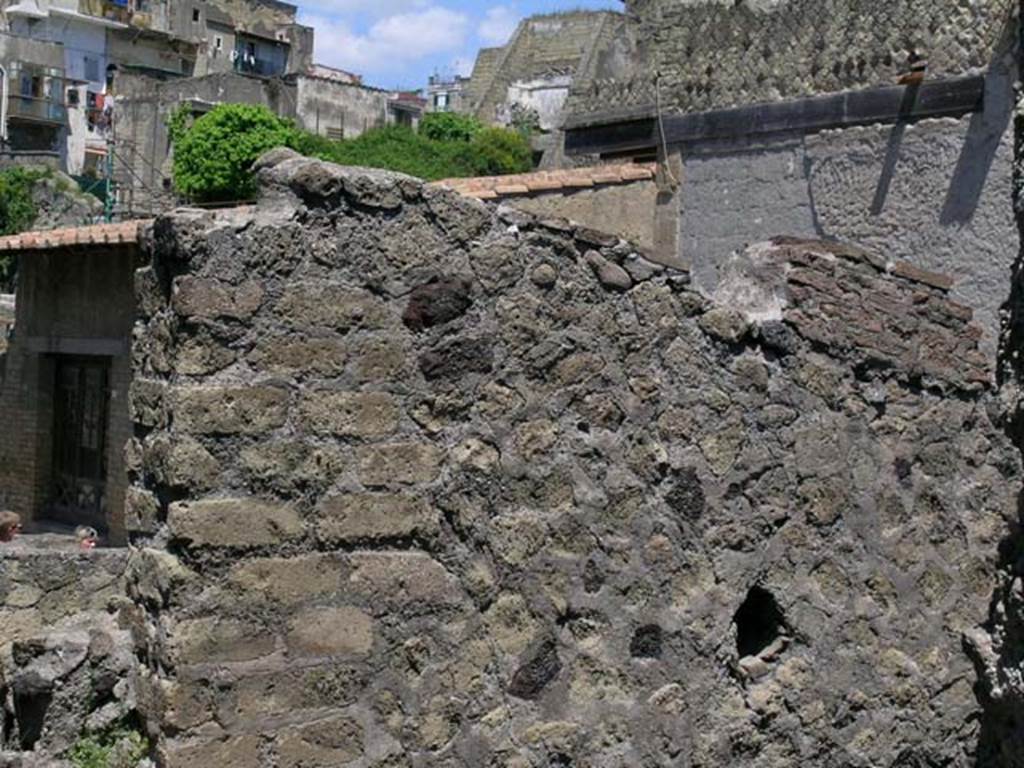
36, 94
36, 109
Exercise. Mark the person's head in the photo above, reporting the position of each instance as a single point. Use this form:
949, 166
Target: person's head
10, 525
87, 536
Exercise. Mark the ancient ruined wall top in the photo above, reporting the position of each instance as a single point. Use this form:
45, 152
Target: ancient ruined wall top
708, 54
418, 480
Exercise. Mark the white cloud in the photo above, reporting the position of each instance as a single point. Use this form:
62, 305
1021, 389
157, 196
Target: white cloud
463, 65
498, 25
391, 44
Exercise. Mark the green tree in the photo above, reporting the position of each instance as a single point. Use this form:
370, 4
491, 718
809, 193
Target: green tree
449, 126
212, 158
497, 151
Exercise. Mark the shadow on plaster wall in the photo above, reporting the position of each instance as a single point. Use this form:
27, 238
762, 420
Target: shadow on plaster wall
892, 150
984, 135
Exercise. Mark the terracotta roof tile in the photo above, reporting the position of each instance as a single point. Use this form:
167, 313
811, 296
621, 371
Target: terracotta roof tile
512, 189
491, 187
124, 232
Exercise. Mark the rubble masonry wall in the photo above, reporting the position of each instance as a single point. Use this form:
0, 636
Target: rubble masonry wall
418, 482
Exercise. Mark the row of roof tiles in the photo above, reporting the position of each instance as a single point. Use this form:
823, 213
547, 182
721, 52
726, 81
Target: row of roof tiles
494, 187
120, 233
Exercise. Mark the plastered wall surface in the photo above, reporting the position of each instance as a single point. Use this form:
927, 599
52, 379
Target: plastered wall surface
322, 105
934, 193
627, 210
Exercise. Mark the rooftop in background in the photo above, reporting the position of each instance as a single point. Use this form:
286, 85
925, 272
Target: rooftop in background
333, 74
121, 233
493, 187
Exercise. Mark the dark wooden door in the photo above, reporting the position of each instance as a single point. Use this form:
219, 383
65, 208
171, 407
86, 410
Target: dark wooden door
81, 394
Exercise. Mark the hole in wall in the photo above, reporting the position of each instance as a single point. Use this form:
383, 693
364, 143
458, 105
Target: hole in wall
759, 622
646, 642
30, 707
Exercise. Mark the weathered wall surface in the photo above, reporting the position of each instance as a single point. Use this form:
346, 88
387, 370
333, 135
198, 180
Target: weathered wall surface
710, 54
419, 484
626, 210
545, 47
998, 646
324, 105
65, 665
934, 193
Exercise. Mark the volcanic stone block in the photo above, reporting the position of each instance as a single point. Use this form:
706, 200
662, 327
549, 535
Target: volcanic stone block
324, 357
141, 511
331, 305
181, 463
537, 670
374, 516
147, 403
349, 414
236, 752
455, 359
290, 581
406, 463
340, 631
437, 303
724, 324
183, 705
379, 359
213, 639
198, 298
229, 410
403, 579
288, 465
322, 744
233, 522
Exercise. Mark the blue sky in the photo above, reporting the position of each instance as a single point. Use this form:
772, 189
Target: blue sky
402, 42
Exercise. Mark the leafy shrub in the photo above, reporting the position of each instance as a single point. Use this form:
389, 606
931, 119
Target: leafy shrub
450, 126
497, 151
212, 158
17, 210
395, 148
492, 151
120, 748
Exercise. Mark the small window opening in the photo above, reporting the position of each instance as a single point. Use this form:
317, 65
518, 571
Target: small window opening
195, 14
759, 622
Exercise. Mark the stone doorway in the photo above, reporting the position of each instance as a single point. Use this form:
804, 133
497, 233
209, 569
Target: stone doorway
81, 395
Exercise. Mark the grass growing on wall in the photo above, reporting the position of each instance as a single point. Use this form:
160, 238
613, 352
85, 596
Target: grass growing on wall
213, 155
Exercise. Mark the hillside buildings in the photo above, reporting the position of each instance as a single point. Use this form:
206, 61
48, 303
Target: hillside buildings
90, 84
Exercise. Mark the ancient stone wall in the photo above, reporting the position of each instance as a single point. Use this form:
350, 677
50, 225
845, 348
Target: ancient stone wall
65, 665
417, 482
708, 54
998, 646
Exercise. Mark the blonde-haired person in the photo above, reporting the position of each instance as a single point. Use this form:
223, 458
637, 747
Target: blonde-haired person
10, 526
